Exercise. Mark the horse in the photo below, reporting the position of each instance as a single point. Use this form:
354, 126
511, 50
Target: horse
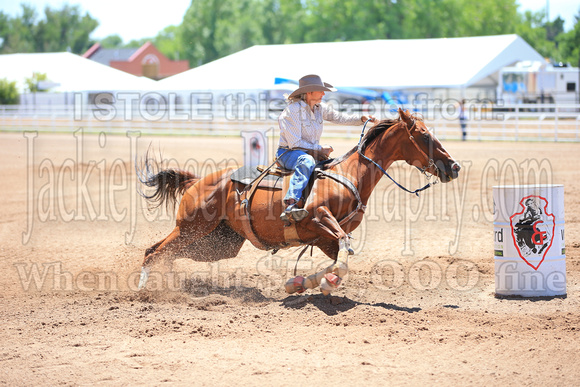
216, 215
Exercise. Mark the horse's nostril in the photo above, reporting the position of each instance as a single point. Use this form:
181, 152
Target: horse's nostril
455, 167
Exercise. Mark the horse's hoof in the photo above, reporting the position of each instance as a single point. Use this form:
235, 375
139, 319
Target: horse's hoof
333, 279
329, 283
143, 277
295, 285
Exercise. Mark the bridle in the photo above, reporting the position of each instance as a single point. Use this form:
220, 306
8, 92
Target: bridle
430, 162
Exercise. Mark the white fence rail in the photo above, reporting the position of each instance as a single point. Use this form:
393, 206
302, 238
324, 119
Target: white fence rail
486, 122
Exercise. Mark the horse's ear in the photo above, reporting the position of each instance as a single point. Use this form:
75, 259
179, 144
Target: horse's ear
405, 117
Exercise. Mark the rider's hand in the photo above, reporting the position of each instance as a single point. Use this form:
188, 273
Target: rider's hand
326, 149
373, 119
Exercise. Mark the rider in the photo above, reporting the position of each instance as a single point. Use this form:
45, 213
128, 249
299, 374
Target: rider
300, 131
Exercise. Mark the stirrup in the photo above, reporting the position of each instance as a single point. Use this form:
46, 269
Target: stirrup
292, 214
299, 214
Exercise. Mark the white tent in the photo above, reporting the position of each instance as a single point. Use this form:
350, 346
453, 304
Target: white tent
69, 72
382, 64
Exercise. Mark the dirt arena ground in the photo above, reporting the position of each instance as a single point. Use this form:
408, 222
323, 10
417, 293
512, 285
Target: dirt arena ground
418, 306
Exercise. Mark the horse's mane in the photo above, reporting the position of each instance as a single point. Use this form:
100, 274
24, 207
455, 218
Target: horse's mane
377, 130
369, 137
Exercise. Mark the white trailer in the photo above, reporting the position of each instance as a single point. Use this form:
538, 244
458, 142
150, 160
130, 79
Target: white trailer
538, 82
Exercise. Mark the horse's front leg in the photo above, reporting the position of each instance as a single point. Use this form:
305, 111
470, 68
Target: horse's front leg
330, 278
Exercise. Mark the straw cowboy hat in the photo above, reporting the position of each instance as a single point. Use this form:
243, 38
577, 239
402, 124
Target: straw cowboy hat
310, 83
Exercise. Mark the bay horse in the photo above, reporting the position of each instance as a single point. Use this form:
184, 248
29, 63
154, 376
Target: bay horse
214, 217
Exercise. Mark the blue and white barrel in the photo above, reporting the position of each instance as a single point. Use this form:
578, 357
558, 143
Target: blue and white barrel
529, 249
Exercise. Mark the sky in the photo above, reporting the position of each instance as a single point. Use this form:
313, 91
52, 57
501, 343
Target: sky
566, 9
137, 19
130, 19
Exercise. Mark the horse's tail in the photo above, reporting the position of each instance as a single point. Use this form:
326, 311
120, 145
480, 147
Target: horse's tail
168, 184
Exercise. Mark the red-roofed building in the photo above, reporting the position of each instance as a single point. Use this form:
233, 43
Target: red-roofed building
145, 61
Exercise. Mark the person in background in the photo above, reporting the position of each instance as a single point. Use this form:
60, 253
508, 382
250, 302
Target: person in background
301, 126
462, 119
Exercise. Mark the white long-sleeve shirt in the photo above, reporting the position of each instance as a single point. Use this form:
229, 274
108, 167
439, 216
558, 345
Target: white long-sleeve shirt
301, 127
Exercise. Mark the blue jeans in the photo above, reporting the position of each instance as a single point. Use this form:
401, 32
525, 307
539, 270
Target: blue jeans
302, 164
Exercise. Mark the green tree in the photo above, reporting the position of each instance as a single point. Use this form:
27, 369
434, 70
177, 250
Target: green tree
336, 20
214, 28
136, 43
65, 29
19, 33
282, 21
531, 29
32, 82
4, 29
201, 29
168, 41
8, 92
554, 28
569, 44
422, 18
242, 31
111, 41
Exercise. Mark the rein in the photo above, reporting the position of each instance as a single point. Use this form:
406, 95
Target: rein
423, 170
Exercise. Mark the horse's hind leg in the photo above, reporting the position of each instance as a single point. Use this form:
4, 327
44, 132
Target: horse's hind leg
146, 269
154, 247
199, 213
170, 244
154, 253
179, 238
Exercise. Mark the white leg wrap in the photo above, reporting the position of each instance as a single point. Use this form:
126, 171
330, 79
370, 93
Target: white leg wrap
313, 280
328, 279
144, 277
299, 284
335, 273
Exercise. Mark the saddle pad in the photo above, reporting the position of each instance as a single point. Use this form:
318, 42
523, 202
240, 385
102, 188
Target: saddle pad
246, 174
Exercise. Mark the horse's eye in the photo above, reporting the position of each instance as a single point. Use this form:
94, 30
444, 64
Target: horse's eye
426, 138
